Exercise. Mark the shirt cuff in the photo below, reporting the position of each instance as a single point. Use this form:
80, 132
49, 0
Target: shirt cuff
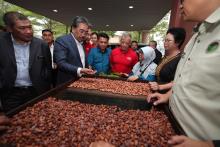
78, 72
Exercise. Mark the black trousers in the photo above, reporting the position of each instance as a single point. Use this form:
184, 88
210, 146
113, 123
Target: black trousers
14, 97
54, 77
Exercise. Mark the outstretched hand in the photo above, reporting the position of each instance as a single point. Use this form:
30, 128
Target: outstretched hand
183, 141
154, 86
157, 98
87, 71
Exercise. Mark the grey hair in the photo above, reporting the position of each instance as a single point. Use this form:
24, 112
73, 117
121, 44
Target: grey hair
125, 35
80, 19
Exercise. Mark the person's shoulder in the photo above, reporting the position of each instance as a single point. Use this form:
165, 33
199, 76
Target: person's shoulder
109, 49
132, 52
64, 37
157, 51
3, 35
93, 50
153, 65
116, 50
38, 40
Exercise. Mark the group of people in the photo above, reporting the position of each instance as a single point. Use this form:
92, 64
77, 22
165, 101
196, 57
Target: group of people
187, 80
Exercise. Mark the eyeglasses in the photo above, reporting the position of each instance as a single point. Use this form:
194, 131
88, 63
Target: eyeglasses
167, 40
83, 31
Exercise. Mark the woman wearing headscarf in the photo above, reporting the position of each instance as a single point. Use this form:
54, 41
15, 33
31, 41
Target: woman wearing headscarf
145, 68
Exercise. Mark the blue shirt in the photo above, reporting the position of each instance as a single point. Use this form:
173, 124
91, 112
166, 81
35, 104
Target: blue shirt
99, 60
22, 62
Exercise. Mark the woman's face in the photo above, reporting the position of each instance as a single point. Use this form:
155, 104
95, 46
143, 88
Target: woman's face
94, 38
169, 42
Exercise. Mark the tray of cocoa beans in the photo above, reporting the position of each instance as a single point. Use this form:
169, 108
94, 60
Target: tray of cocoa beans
63, 118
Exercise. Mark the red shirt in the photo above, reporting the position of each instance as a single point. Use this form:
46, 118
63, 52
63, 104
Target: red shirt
123, 62
88, 47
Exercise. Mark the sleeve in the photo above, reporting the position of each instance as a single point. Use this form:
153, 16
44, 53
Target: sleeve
111, 59
135, 59
47, 62
151, 78
61, 58
110, 51
135, 68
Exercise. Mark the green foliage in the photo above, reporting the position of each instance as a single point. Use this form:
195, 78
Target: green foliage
161, 27
38, 21
136, 35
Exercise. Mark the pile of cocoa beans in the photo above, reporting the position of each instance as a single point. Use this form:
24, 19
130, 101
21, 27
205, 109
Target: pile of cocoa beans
56, 122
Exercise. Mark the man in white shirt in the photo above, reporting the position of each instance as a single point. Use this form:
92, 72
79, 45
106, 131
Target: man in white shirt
69, 53
47, 36
25, 62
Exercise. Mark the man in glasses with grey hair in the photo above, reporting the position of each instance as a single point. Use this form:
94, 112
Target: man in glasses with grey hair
69, 53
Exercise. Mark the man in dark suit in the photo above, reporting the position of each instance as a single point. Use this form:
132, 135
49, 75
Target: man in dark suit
158, 58
69, 53
25, 62
47, 36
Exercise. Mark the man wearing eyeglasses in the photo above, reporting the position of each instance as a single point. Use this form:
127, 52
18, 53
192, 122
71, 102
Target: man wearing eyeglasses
195, 98
69, 53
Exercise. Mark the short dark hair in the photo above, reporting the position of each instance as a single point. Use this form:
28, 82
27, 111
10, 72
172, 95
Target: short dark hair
9, 18
179, 35
47, 30
134, 42
104, 35
155, 42
79, 19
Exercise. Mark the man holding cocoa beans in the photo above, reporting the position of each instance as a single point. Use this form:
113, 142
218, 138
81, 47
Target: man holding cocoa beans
195, 95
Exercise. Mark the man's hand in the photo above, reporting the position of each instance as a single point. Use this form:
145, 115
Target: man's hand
87, 71
154, 86
157, 98
125, 75
100, 144
4, 122
183, 141
132, 78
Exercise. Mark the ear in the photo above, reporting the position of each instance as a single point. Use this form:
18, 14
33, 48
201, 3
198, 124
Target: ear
177, 44
73, 30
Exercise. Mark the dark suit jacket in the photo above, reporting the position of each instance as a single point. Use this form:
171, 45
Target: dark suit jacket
39, 64
158, 56
67, 58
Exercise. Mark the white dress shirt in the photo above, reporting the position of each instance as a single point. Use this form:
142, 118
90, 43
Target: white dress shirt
82, 55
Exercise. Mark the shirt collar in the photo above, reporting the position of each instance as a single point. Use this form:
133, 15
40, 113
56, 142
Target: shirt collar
52, 46
209, 21
76, 39
17, 43
99, 49
214, 17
